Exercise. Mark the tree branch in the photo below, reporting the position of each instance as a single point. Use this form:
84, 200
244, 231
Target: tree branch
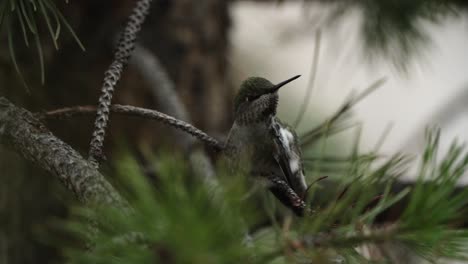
166, 97
125, 46
136, 112
162, 89
21, 131
161, 86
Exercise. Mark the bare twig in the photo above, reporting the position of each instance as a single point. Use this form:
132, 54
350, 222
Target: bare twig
21, 131
310, 84
125, 46
335, 124
166, 97
162, 88
137, 112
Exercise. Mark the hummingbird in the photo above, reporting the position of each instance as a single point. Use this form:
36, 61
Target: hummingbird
262, 146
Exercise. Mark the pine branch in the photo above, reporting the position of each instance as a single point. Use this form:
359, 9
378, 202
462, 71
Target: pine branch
128, 110
125, 46
161, 86
214, 227
21, 131
166, 97
428, 227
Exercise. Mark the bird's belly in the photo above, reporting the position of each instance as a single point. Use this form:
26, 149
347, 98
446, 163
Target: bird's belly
252, 148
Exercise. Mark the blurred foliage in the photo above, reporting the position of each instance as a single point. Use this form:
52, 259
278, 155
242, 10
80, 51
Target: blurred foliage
180, 221
394, 28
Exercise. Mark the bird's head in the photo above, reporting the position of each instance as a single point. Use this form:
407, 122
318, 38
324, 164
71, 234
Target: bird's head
257, 97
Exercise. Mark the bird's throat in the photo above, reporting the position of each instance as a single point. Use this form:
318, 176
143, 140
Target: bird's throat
258, 111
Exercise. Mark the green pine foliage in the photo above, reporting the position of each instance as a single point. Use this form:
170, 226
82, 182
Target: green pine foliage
23, 17
179, 220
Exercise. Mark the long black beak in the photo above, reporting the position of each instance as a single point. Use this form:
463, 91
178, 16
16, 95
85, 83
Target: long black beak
283, 83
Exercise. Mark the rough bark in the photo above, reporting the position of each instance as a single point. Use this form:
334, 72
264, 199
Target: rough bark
123, 51
21, 131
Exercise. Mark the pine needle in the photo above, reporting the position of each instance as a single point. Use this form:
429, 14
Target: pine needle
11, 47
49, 24
310, 84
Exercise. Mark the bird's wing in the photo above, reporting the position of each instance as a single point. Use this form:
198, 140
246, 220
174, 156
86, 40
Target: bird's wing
288, 155
282, 138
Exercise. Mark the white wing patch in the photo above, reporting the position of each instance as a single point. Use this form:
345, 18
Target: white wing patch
287, 140
288, 156
294, 164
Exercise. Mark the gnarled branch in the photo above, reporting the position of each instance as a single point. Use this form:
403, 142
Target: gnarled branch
24, 133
